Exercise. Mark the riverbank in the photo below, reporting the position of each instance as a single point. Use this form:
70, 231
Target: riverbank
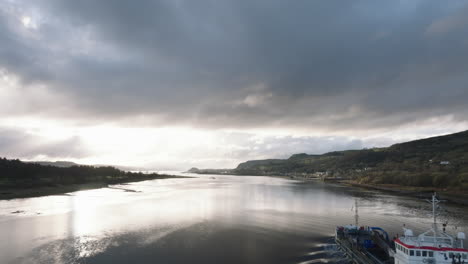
420, 192
13, 193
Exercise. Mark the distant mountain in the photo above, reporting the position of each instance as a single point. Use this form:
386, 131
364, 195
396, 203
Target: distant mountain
210, 171
67, 164
193, 170
62, 164
437, 161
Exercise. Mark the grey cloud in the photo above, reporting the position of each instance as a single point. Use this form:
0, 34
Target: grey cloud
327, 64
15, 143
455, 21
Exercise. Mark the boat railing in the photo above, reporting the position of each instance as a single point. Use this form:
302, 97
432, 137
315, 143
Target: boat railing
458, 244
435, 241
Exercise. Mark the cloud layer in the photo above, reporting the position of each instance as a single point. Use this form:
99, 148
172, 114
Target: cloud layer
17, 143
294, 65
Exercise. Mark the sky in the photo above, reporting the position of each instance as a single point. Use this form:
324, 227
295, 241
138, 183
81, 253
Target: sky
173, 84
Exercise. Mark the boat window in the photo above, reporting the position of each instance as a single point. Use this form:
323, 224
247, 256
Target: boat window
450, 254
465, 256
424, 253
411, 252
431, 254
418, 253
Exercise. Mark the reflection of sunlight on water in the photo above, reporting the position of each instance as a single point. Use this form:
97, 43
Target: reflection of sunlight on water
155, 235
33, 206
83, 207
313, 253
93, 217
141, 214
320, 260
86, 246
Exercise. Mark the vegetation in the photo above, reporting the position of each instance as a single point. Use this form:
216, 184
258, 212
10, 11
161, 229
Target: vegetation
16, 174
440, 162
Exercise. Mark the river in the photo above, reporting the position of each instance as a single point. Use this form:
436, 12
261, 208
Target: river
208, 219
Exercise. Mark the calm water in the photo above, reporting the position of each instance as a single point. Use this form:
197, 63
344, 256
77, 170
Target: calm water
201, 220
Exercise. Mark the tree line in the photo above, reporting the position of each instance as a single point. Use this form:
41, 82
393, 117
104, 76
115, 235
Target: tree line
15, 173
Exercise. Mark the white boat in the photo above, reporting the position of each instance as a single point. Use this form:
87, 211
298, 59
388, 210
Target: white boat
431, 247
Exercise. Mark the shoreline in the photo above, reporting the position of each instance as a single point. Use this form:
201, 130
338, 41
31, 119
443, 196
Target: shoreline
418, 192
30, 192
410, 191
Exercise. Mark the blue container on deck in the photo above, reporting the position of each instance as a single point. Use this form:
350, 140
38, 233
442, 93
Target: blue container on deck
368, 243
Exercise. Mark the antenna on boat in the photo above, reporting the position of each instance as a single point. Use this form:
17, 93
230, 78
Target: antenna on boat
356, 215
434, 201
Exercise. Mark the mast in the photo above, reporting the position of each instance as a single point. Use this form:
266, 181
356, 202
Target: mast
356, 215
434, 202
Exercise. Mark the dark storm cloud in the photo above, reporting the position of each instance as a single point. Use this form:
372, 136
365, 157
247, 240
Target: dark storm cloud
334, 64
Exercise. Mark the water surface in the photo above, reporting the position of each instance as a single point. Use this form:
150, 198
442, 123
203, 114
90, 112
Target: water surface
225, 219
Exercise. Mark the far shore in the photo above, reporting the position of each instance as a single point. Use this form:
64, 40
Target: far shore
452, 196
13, 193
448, 195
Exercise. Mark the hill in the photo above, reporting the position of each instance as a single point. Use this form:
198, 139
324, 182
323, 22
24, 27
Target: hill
210, 171
432, 162
62, 164
24, 179
67, 164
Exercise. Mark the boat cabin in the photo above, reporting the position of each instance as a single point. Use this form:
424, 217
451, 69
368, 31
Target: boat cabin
411, 254
433, 246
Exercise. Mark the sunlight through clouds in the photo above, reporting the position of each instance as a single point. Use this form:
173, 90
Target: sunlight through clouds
26, 21
110, 79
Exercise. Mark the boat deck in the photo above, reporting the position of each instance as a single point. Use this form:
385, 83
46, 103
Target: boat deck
357, 252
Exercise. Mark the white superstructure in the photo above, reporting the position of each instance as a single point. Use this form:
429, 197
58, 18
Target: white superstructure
432, 246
